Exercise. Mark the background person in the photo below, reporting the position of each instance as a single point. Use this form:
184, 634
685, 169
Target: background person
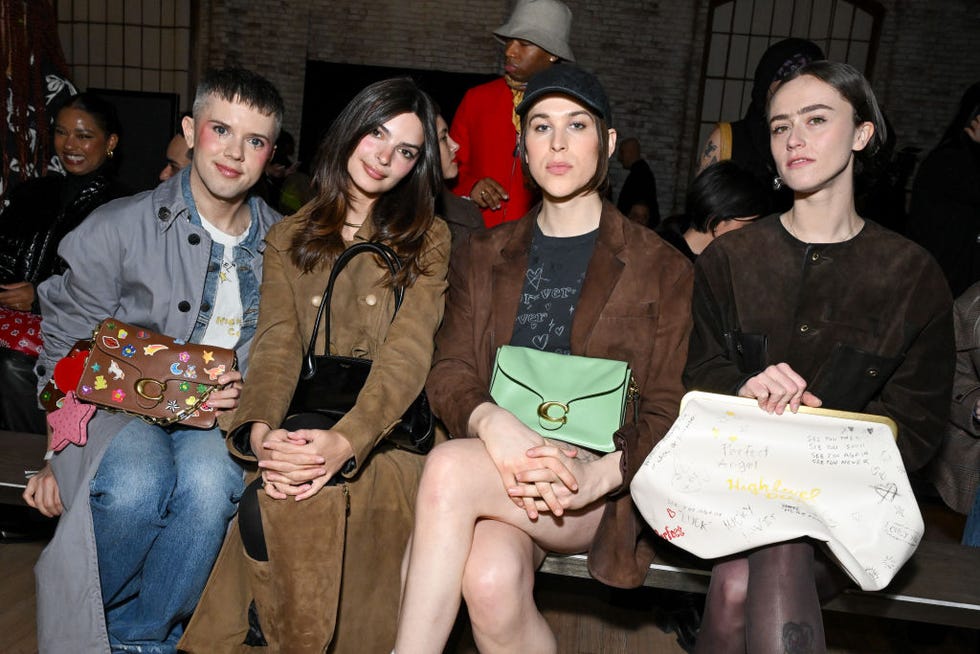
638, 197
722, 198
486, 124
945, 207
40, 213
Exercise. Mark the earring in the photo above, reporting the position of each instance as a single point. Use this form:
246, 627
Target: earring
554, 59
109, 153
777, 183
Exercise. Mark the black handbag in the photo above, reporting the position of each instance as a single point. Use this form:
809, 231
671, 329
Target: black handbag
329, 384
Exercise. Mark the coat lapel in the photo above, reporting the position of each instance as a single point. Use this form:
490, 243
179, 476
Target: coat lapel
601, 277
508, 281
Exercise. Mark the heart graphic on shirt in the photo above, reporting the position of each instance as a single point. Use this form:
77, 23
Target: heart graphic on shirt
540, 341
671, 513
534, 276
559, 330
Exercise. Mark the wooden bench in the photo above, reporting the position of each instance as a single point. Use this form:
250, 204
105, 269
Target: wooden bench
940, 584
19, 453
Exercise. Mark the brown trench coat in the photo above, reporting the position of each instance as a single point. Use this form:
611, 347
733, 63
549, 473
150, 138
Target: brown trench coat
381, 489
635, 306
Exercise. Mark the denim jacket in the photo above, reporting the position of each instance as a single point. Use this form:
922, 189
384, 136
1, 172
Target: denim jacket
248, 259
142, 259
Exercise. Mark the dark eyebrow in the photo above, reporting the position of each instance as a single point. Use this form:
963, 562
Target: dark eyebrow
804, 110
577, 112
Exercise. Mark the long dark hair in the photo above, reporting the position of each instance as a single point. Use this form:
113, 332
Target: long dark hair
402, 216
967, 111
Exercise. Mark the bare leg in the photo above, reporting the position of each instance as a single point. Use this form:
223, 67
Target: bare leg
783, 612
723, 626
498, 586
460, 486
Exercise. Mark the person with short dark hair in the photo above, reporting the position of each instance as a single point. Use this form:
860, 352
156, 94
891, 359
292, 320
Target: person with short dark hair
723, 198
816, 307
178, 154
144, 508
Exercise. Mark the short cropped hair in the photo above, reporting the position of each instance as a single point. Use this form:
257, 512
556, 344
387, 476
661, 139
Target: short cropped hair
243, 86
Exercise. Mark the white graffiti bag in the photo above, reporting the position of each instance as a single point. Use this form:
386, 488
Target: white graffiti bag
729, 477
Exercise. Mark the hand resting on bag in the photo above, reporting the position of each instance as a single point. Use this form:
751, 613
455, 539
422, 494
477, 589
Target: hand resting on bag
226, 399
19, 295
508, 441
776, 387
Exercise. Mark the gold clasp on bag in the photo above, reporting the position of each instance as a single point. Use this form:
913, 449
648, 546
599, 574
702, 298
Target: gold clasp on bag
545, 407
141, 385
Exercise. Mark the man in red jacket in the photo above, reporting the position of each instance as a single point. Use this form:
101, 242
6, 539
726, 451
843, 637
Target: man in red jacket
485, 125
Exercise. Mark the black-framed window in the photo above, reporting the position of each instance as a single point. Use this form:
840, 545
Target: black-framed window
133, 45
739, 31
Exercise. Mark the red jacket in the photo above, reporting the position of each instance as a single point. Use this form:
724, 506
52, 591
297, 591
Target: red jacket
484, 128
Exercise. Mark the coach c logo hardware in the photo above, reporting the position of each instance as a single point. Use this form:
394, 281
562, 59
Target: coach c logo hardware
545, 407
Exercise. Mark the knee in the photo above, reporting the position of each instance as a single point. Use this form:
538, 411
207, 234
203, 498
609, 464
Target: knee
493, 590
132, 492
442, 478
213, 488
730, 587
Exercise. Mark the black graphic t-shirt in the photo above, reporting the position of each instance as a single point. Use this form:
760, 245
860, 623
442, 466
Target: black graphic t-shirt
555, 271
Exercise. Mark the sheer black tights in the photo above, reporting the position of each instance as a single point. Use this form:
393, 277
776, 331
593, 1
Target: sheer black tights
767, 603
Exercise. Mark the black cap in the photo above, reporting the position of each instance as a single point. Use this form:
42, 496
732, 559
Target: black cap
567, 79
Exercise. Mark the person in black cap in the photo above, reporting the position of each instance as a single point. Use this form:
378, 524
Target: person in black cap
486, 124
573, 276
747, 140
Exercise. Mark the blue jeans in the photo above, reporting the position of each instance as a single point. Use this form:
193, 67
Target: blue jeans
971, 531
161, 503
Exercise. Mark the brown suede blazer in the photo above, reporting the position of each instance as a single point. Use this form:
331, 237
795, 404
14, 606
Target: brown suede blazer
867, 323
361, 326
634, 306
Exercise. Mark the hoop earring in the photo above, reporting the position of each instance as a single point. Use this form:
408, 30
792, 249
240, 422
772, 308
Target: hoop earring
777, 183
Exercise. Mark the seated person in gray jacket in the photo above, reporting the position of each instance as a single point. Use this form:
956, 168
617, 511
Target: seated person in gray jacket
145, 508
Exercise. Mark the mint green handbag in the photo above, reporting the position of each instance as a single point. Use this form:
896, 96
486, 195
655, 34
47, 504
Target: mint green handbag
575, 399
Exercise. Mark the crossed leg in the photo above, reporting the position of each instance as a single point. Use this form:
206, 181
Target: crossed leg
469, 537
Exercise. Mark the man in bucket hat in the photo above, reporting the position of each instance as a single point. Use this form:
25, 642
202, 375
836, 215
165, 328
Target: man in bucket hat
486, 125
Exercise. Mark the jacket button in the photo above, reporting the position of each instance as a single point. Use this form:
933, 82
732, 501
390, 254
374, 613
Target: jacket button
871, 372
184, 306
370, 300
815, 256
193, 239
163, 214
205, 307
804, 328
316, 300
212, 267
41, 371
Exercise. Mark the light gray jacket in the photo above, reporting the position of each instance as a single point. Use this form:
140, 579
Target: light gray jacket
144, 260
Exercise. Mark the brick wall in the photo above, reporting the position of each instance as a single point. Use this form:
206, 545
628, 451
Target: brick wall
647, 53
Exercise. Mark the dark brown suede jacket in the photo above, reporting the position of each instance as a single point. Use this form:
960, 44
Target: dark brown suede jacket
634, 306
867, 323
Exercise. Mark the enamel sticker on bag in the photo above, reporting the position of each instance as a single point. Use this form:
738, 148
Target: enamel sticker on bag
110, 342
123, 334
214, 373
207, 356
150, 350
116, 372
118, 395
129, 351
172, 406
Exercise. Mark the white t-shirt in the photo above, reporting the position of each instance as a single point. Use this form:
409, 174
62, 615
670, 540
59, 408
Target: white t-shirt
225, 326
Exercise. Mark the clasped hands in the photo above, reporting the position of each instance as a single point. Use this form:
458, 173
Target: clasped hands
539, 475
299, 463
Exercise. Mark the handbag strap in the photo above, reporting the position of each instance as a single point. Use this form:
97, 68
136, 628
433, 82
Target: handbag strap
393, 263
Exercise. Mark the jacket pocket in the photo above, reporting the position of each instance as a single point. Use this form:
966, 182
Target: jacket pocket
750, 352
850, 377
